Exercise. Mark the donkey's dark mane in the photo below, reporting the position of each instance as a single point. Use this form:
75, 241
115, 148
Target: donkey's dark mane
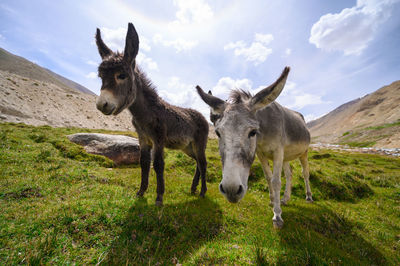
148, 88
239, 95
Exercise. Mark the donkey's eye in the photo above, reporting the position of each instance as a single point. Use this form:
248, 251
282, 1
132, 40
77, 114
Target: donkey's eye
121, 76
252, 133
216, 132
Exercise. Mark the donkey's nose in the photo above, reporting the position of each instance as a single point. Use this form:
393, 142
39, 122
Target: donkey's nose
221, 188
240, 190
105, 107
232, 192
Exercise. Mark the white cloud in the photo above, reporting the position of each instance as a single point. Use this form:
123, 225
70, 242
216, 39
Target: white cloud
353, 28
147, 62
264, 38
91, 75
311, 117
302, 100
192, 11
294, 98
288, 51
226, 84
144, 44
184, 95
114, 38
92, 63
257, 52
179, 44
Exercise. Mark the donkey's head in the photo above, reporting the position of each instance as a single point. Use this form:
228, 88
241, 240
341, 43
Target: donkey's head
118, 89
237, 128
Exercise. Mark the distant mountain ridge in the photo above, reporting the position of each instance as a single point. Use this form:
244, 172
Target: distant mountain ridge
370, 121
18, 65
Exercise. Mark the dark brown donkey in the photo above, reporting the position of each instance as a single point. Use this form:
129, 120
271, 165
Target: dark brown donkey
157, 123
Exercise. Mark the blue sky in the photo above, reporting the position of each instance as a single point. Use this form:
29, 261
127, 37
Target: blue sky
338, 50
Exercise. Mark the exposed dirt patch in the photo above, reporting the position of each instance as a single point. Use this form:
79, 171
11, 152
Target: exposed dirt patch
24, 193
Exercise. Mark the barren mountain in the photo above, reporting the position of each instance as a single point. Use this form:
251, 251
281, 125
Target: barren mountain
372, 120
20, 66
37, 96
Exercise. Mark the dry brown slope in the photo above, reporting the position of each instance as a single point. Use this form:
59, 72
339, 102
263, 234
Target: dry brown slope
20, 66
378, 108
36, 102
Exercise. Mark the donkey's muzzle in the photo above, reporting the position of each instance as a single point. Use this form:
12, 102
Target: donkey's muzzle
105, 107
233, 193
107, 103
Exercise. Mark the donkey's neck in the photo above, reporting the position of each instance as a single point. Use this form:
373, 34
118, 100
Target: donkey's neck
146, 97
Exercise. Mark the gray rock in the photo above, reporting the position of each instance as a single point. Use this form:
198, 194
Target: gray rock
121, 149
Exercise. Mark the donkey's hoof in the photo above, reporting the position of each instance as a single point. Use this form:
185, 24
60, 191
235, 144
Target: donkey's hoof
193, 191
277, 223
203, 193
309, 200
159, 203
140, 194
284, 202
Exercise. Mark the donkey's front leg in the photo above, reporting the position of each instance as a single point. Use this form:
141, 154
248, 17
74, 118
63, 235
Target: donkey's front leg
288, 189
145, 160
268, 176
158, 165
276, 189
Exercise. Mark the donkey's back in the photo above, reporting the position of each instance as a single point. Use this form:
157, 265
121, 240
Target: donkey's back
280, 126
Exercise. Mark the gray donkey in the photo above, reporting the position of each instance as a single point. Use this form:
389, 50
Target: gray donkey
246, 125
157, 123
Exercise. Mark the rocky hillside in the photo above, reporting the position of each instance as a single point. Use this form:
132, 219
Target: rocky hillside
372, 120
37, 96
20, 66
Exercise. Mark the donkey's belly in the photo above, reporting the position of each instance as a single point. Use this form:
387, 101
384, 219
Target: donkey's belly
294, 151
177, 144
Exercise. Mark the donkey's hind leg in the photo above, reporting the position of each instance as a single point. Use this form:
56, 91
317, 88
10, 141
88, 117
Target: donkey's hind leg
195, 181
198, 152
189, 151
306, 175
288, 188
202, 166
158, 165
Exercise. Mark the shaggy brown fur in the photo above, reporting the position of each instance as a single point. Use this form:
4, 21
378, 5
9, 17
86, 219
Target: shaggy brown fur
158, 123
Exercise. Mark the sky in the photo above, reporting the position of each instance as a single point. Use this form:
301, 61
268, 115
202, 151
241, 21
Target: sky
337, 50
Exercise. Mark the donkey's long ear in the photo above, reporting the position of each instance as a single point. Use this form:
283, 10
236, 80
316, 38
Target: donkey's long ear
131, 44
104, 51
217, 105
269, 94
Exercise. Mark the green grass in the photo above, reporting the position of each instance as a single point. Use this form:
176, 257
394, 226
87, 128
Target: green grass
368, 136
384, 126
361, 144
60, 205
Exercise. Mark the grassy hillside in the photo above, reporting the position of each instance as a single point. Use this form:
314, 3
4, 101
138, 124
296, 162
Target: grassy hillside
60, 205
369, 136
